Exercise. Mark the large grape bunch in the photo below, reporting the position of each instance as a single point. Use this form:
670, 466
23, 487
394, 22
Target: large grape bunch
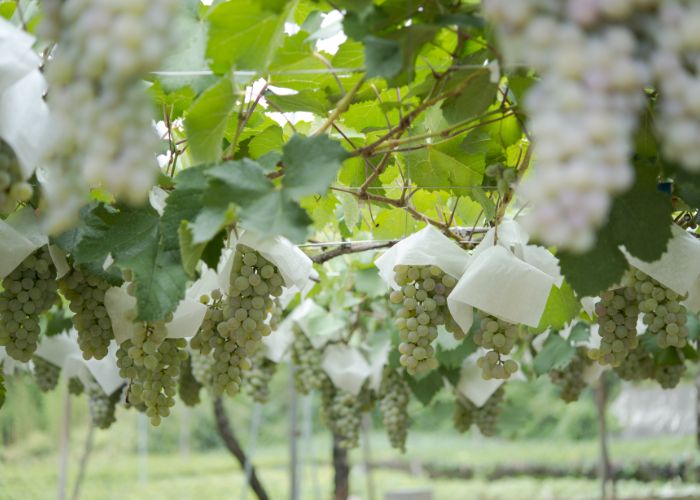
152, 362
664, 315
254, 284
13, 189
28, 291
570, 379
583, 110
668, 376
499, 338
202, 367
638, 365
102, 133
423, 299
188, 386
46, 374
256, 381
341, 412
394, 399
617, 313
485, 417
86, 294
102, 407
308, 375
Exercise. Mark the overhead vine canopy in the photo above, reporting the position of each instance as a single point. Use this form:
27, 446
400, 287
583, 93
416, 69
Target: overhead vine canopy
518, 157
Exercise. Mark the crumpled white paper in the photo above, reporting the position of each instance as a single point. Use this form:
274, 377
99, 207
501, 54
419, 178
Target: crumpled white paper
20, 235
58, 348
678, 268
378, 359
105, 371
318, 324
506, 278
346, 366
471, 384
427, 247
277, 344
58, 256
17, 58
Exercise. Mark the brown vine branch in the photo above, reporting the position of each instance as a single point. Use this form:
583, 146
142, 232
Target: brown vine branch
340, 108
348, 248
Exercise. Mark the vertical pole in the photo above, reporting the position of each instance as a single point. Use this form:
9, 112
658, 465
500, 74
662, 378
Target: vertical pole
604, 468
342, 470
697, 410
307, 437
84, 462
142, 422
185, 432
367, 456
64, 446
255, 421
293, 439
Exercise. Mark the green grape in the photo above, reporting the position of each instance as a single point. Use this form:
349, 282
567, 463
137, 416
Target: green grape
570, 378
394, 394
341, 412
202, 366
668, 376
46, 374
13, 189
308, 375
86, 294
617, 313
256, 381
498, 337
75, 386
485, 417
28, 291
188, 386
423, 307
202, 341
102, 407
662, 311
638, 365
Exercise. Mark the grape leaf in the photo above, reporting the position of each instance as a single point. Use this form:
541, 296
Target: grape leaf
453, 358
205, 121
425, 387
556, 353
477, 95
367, 281
562, 306
273, 214
383, 57
55, 322
269, 140
580, 332
311, 165
305, 100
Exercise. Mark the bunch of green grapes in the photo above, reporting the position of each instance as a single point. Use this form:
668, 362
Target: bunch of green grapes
395, 396
208, 330
485, 417
617, 313
341, 412
668, 376
202, 367
86, 294
664, 315
498, 337
188, 386
102, 407
13, 189
256, 381
638, 365
570, 378
308, 375
46, 374
253, 285
423, 299
28, 291
75, 386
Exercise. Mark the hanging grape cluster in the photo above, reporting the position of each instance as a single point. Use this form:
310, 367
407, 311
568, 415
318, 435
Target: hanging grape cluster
617, 313
485, 417
75, 386
423, 299
86, 294
308, 375
256, 381
394, 397
341, 412
102, 133
13, 189
638, 365
498, 337
664, 315
570, 379
46, 374
202, 368
188, 386
28, 291
102, 407
668, 376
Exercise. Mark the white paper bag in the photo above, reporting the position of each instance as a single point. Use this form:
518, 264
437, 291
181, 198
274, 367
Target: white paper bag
20, 235
58, 348
346, 366
427, 247
471, 384
17, 58
58, 257
378, 358
106, 372
318, 324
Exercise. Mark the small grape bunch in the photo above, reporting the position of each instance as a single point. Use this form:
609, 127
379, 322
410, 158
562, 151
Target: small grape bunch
570, 378
617, 313
13, 189
484, 417
256, 381
668, 376
638, 365
46, 374
662, 311
395, 396
75, 386
423, 300
308, 375
102, 407
499, 338
341, 413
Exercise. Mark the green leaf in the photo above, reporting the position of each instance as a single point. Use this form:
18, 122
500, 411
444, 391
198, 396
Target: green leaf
205, 121
562, 306
368, 282
478, 94
265, 142
453, 358
556, 353
435, 169
56, 322
184, 202
243, 181
190, 252
580, 332
425, 387
383, 57
393, 223
311, 165
305, 100
275, 214
478, 195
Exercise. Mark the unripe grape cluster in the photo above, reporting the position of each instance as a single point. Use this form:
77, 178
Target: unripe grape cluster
46, 374
86, 294
617, 313
668, 376
308, 374
202, 367
499, 338
13, 188
102, 133
75, 386
28, 291
394, 394
188, 386
638, 365
202, 342
484, 417
256, 381
341, 412
664, 315
570, 378
102, 407
422, 297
